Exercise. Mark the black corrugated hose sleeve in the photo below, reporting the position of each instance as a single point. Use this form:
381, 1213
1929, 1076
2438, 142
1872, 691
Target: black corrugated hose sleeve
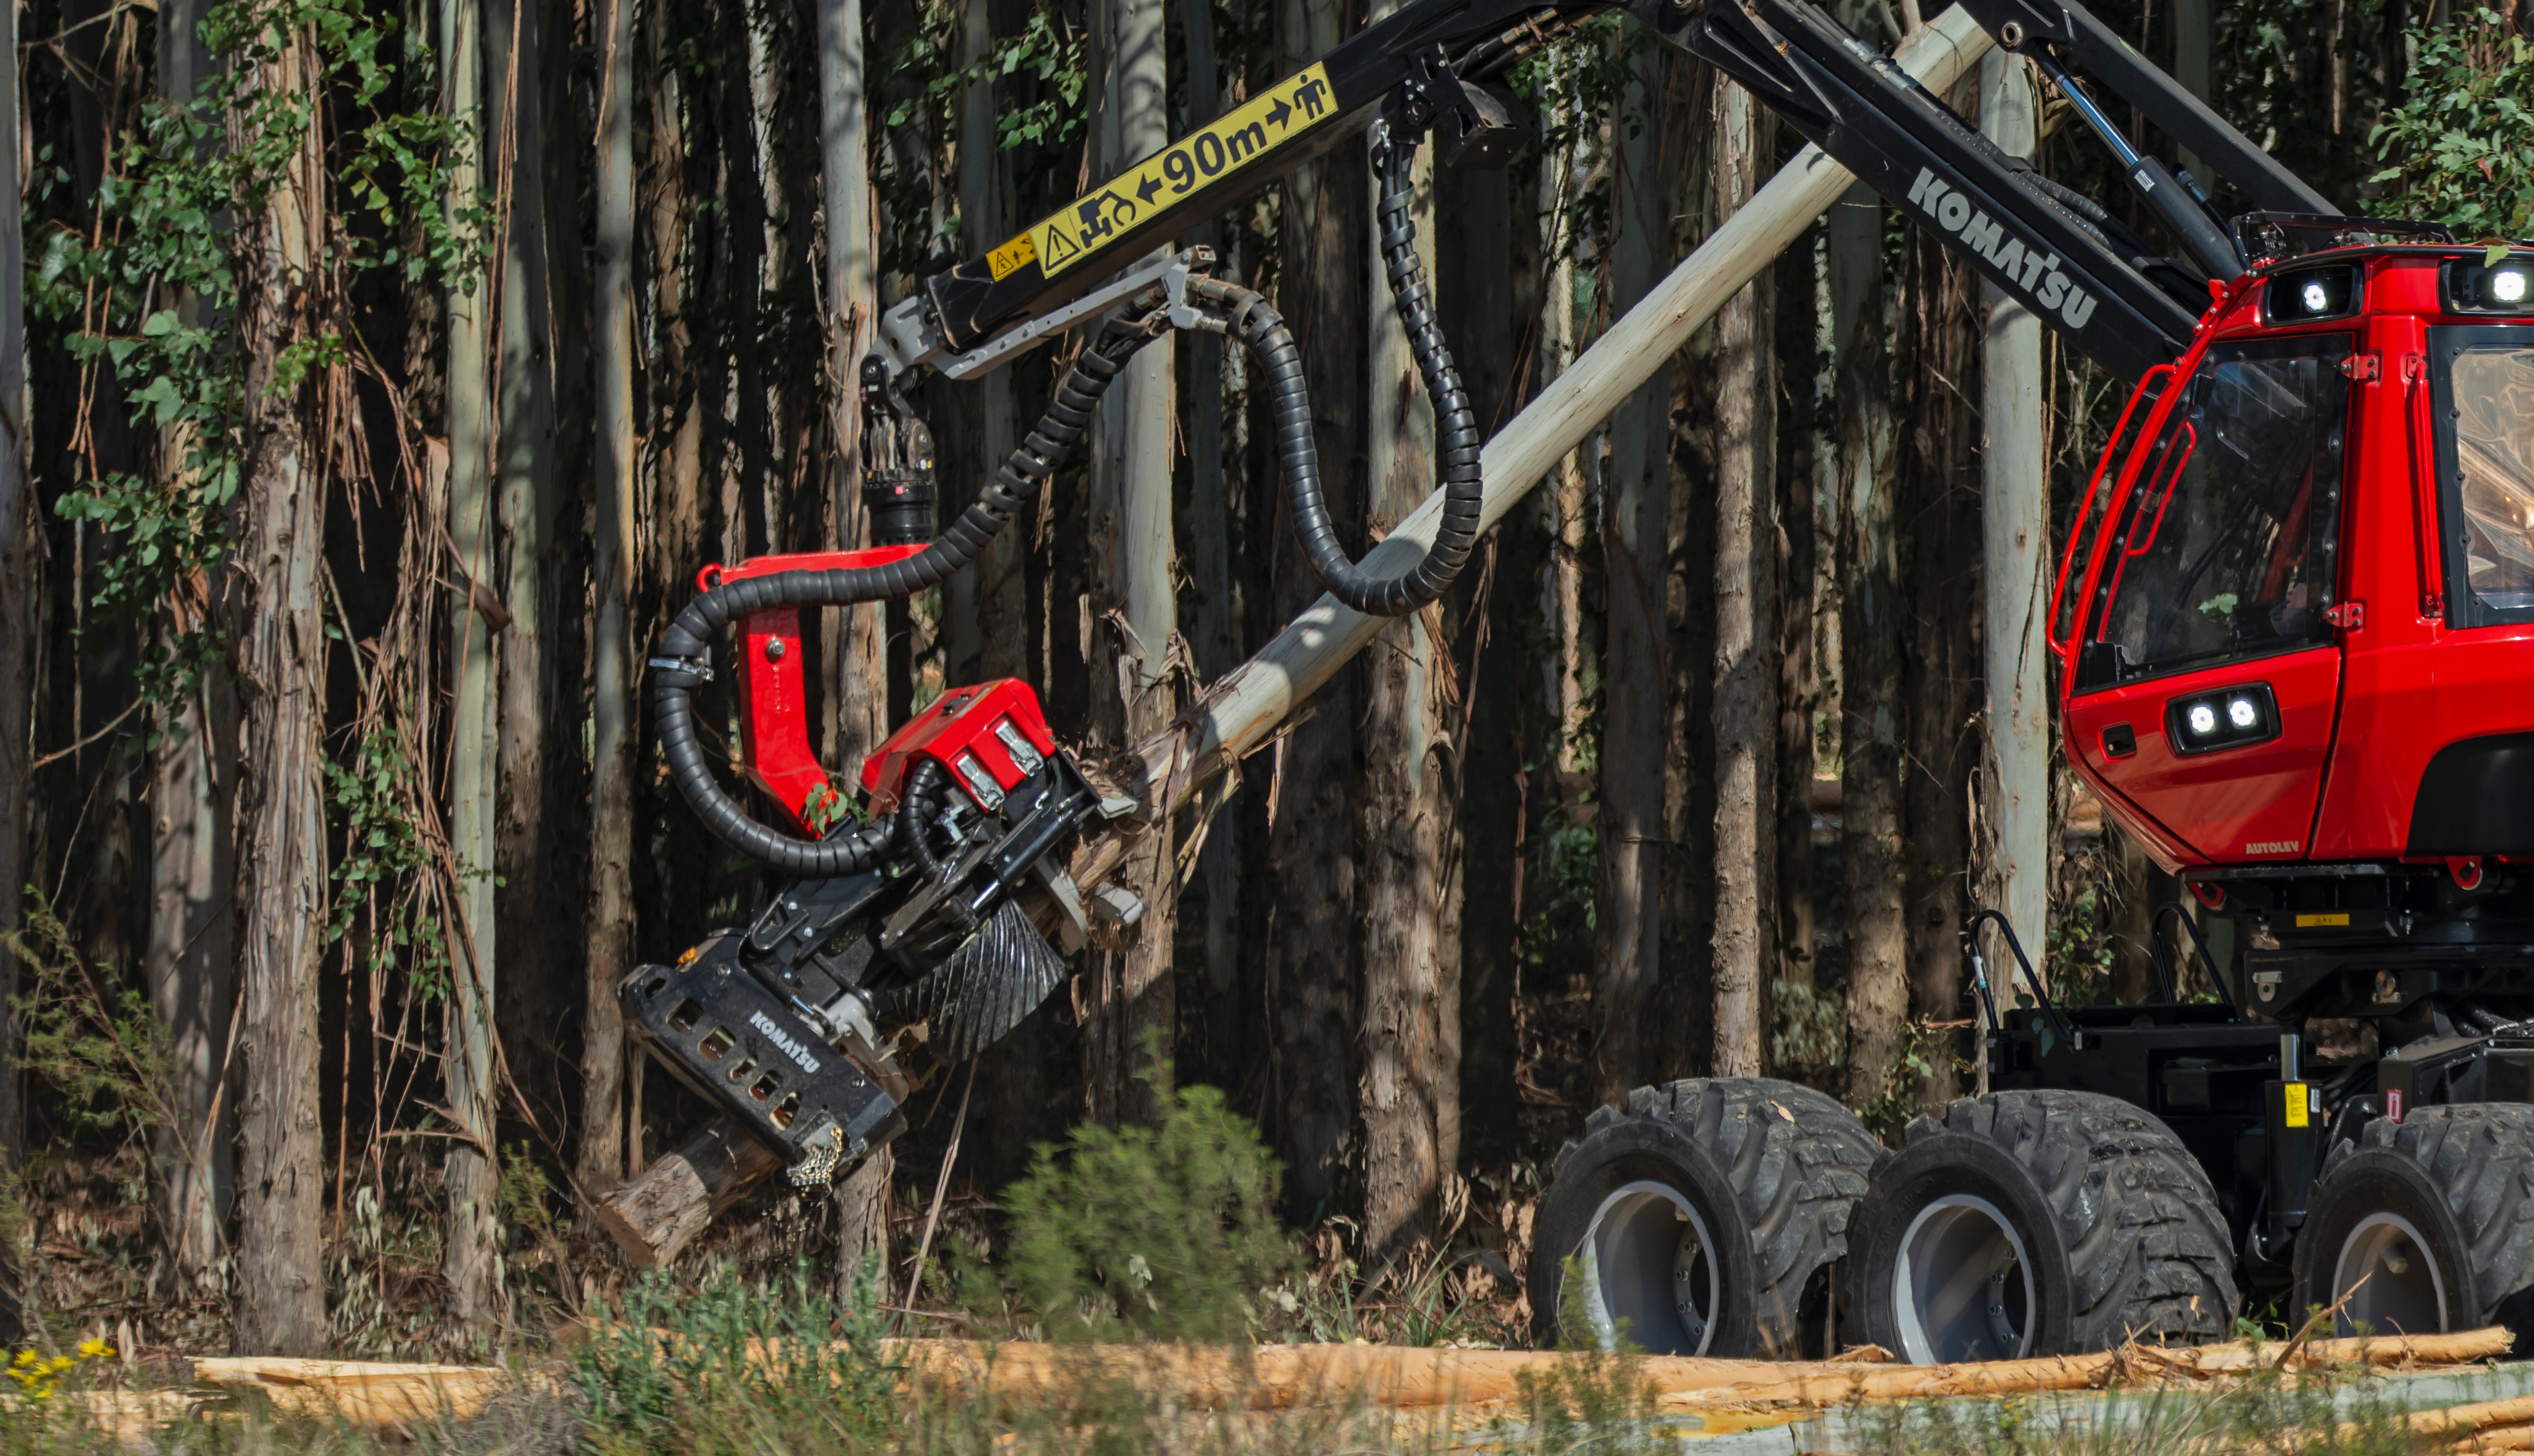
1456, 429
917, 806
688, 639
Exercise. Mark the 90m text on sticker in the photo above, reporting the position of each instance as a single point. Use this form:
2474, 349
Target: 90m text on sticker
1190, 164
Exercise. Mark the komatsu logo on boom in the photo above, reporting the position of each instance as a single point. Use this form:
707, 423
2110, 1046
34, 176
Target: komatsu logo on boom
791, 1047
2028, 267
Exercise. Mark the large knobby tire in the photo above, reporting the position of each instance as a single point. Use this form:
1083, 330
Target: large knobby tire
2426, 1224
2038, 1223
1707, 1217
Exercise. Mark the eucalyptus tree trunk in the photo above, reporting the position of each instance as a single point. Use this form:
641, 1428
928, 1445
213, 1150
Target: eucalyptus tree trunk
1475, 287
277, 627
1310, 844
1134, 598
1635, 517
1746, 677
1408, 812
2015, 530
466, 1054
188, 955
1211, 630
859, 669
601, 1161
1940, 498
530, 471
19, 597
987, 605
187, 962
1872, 861
856, 664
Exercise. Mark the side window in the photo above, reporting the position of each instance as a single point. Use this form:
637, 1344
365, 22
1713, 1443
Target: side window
2228, 548
2484, 401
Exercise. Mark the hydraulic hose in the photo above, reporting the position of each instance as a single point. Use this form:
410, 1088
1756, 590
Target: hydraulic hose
1456, 430
917, 808
686, 646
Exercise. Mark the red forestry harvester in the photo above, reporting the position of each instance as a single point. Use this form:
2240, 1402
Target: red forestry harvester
2294, 635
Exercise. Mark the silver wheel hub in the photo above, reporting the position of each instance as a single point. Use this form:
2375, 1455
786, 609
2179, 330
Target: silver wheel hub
1650, 1273
1960, 1288
2390, 1283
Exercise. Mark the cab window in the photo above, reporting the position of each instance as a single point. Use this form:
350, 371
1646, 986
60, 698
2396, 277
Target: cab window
2482, 399
2226, 549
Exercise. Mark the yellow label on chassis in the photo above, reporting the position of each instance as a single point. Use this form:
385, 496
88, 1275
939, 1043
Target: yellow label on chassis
1011, 257
1189, 165
2311, 922
2292, 1096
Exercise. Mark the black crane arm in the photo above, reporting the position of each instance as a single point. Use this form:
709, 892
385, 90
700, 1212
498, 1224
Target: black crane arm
2111, 295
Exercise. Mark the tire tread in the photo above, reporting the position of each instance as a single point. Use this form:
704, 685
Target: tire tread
2147, 1249
2481, 1157
1797, 1160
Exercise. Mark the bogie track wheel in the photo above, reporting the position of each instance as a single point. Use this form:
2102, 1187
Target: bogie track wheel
1705, 1217
2038, 1223
2425, 1224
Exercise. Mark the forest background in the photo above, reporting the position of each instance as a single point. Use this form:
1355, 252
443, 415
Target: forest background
378, 374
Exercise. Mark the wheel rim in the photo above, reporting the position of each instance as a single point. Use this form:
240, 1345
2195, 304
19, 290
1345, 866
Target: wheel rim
1648, 1272
1960, 1286
2390, 1282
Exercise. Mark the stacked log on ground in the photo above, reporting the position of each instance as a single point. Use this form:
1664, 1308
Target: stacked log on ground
1281, 1376
367, 1394
1467, 1383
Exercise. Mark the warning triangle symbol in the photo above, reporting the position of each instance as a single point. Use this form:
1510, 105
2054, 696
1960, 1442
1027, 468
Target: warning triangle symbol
1060, 248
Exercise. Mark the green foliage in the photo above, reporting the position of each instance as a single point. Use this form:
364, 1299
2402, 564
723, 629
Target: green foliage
1811, 1039
735, 1367
1920, 1048
1166, 1231
1047, 47
377, 800
2461, 145
2083, 947
98, 1044
147, 290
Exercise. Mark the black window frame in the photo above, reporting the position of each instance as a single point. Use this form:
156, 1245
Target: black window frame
2097, 670
2463, 609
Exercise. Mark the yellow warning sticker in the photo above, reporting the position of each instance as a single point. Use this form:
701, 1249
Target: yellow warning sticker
2294, 1110
2313, 922
1289, 108
1011, 257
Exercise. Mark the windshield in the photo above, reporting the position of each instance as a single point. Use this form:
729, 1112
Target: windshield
2484, 378
2226, 549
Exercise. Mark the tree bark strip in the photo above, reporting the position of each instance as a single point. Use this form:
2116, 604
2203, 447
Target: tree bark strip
2015, 530
1134, 599
1635, 518
279, 629
467, 1058
1408, 816
1872, 863
611, 924
21, 593
1313, 984
1746, 679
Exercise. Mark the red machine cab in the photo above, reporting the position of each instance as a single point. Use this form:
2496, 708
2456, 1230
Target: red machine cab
2297, 645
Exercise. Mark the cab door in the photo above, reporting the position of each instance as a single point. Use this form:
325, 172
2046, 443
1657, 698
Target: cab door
2209, 678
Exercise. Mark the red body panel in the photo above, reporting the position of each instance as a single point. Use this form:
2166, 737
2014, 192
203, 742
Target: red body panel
2250, 804
970, 733
773, 694
2361, 720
